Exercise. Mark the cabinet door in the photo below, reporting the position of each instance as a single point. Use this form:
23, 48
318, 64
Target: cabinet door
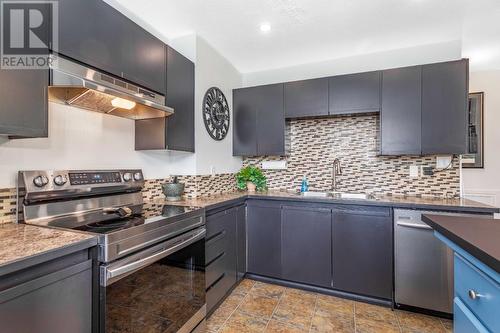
355, 93
58, 302
245, 122
444, 107
270, 120
144, 57
90, 31
93, 32
264, 239
23, 103
180, 96
306, 245
362, 251
241, 240
400, 116
306, 98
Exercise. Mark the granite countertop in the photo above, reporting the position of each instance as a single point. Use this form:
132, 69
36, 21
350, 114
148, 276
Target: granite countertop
477, 236
21, 242
412, 202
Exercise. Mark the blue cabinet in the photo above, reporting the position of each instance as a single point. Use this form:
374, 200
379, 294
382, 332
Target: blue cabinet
477, 293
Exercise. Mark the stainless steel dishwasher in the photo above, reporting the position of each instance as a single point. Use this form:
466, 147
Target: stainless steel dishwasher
423, 265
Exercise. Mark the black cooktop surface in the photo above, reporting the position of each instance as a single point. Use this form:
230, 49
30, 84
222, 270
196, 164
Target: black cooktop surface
150, 213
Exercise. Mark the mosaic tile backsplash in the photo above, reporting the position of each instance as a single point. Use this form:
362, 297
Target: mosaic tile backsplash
315, 143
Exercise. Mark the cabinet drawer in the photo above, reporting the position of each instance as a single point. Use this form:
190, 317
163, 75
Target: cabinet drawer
218, 222
464, 321
218, 290
485, 306
216, 245
219, 266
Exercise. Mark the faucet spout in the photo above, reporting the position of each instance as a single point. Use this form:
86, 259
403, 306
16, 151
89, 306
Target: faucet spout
336, 171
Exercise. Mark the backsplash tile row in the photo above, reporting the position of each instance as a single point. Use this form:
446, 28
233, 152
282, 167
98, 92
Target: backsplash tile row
8, 202
315, 143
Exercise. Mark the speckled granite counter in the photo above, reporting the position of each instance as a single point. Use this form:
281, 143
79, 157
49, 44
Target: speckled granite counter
447, 204
24, 245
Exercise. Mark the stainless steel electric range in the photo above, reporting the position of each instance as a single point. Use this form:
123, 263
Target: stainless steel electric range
151, 256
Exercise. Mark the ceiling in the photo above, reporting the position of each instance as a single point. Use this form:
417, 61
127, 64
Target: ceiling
305, 31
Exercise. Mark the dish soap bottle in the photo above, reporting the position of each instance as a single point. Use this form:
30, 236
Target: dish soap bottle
304, 187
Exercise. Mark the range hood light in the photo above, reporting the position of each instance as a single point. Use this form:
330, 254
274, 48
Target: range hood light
122, 103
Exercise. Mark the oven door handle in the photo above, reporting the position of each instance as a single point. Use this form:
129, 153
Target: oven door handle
110, 275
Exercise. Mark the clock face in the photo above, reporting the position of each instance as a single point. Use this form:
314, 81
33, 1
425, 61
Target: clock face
216, 113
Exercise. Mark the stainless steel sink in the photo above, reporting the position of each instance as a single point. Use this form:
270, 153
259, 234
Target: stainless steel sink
338, 195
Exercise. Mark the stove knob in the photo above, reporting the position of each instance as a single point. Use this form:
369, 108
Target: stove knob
60, 180
137, 176
40, 181
127, 176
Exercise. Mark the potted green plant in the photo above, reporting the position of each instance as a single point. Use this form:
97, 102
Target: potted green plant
251, 178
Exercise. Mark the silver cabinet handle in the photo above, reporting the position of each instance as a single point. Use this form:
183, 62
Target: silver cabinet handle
474, 295
413, 225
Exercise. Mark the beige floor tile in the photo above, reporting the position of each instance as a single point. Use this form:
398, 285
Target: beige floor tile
332, 324
257, 305
327, 305
243, 323
279, 327
244, 287
370, 312
294, 316
216, 320
371, 326
414, 322
269, 290
448, 325
296, 299
233, 300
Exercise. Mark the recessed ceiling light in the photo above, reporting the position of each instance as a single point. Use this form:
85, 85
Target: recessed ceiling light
265, 27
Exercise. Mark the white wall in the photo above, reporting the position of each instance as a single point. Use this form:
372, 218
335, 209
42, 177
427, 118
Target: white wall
484, 184
80, 139
214, 70
375, 61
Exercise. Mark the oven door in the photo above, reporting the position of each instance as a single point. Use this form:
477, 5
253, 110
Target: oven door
160, 289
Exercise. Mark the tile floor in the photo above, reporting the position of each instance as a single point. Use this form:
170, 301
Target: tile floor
261, 307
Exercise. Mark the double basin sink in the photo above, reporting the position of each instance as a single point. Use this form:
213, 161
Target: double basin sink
338, 195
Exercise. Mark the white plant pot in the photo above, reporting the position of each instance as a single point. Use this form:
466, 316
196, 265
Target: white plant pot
251, 187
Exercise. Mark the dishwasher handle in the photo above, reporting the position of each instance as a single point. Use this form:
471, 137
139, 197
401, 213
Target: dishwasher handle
413, 225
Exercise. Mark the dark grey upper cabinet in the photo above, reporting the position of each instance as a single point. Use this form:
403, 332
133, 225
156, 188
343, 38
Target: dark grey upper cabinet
259, 121
180, 96
400, 116
264, 238
93, 32
306, 98
306, 245
270, 120
244, 122
355, 93
175, 132
445, 89
23, 103
362, 250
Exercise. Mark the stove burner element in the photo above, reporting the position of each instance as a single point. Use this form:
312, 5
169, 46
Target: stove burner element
103, 227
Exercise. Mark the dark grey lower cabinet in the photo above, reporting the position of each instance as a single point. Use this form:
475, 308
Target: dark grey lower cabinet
241, 240
59, 302
363, 251
306, 245
220, 255
264, 238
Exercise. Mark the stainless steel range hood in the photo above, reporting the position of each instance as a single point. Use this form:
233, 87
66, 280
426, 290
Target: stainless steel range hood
74, 84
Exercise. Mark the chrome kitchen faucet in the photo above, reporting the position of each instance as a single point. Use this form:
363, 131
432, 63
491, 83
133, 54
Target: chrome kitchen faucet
336, 171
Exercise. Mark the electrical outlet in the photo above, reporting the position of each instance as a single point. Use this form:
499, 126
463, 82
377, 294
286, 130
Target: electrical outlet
414, 171
212, 170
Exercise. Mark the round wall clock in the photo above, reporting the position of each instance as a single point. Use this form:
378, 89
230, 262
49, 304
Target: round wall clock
216, 113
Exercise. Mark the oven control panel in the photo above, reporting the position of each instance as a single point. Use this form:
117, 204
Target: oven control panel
90, 178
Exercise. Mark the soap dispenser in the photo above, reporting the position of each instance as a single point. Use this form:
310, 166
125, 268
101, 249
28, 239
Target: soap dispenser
305, 185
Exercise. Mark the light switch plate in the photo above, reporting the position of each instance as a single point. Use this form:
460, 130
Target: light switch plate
442, 162
414, 171
273, 165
